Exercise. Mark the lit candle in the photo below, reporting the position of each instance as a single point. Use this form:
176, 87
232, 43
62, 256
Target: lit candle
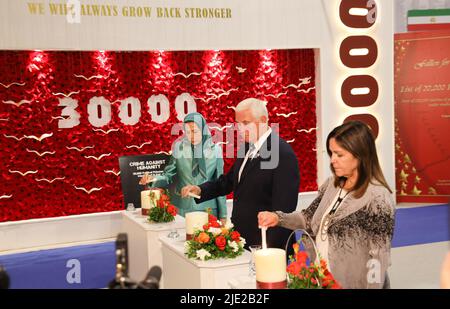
148, 200
270, 264
195, 221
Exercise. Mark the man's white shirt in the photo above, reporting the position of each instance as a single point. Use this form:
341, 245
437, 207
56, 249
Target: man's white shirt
251, 153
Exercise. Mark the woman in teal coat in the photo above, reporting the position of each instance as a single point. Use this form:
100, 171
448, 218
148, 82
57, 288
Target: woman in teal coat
195, 159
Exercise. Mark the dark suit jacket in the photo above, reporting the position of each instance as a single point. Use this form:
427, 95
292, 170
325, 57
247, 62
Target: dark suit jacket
260, 190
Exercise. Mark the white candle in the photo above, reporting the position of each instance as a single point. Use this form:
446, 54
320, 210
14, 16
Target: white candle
270, 265
193, 195
195, 221
263, 237
148, 202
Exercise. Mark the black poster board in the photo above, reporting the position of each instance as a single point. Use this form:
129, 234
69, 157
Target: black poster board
132, 168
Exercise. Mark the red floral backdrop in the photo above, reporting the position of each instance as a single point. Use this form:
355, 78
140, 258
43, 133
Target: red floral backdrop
49, 171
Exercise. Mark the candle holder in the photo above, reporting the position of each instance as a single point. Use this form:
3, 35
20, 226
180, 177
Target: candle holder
130, 207
173, 234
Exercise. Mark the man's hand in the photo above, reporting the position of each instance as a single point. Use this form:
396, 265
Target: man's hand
190, 189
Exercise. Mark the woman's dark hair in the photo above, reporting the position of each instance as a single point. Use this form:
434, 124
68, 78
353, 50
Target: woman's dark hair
356, 137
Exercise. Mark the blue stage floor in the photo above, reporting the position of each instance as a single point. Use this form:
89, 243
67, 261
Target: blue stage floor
421, 225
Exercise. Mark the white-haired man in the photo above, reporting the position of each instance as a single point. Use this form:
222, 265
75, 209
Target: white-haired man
266, 178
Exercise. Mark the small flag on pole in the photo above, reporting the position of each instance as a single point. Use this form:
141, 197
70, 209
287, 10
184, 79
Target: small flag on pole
423, 20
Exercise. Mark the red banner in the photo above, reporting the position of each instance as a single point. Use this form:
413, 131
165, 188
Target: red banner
66, 117
422, 112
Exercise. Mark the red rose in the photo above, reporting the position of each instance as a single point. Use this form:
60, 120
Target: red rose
301, 257
336, 286
212, 218
294, 268
206, 227
172, 210
221, 242
161, 204
329, 281
323, 264
235, 236
325, 282
165, 198
214, 224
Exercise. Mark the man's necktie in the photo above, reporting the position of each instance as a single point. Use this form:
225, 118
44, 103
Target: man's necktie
246, 162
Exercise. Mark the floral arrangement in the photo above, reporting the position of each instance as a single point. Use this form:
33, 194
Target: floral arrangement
163, 210
312, 276
215, 241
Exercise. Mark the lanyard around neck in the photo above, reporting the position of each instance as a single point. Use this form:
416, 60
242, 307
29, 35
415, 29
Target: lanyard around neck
338, 202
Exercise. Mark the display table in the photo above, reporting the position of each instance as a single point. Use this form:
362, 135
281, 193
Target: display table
183, 273
144, 248
242, 282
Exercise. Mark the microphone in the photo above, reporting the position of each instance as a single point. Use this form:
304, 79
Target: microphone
151, 281
121, 279
4, 279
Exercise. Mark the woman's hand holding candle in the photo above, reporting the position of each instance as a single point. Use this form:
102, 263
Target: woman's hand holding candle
267, 219
147, 178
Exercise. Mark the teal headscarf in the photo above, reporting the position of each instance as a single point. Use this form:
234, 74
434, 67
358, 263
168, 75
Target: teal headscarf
198, 157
